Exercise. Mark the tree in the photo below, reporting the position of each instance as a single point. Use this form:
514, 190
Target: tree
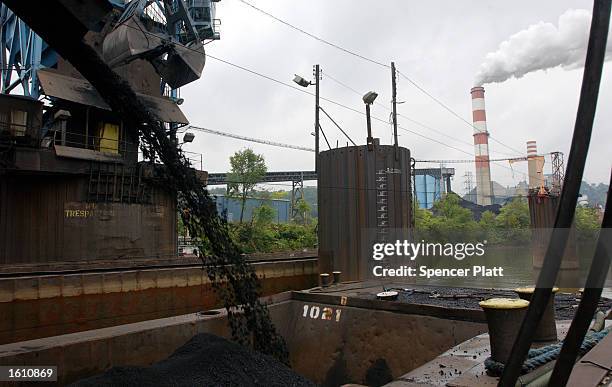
587, 223
303, 208
450, 222
513, 221
248, 169
264, 215
514, 214
280, 194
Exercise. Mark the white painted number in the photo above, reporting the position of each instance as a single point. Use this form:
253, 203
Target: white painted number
314, 312
327, 314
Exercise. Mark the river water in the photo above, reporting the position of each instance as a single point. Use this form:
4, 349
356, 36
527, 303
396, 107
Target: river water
517, 267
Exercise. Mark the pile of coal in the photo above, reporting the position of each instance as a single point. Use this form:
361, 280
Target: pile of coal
205, 360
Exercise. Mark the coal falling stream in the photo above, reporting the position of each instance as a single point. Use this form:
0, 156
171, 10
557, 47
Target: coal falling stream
232, 277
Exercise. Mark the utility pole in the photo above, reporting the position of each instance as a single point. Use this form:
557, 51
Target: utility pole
370, 139
316, 124
317, 81
394, 102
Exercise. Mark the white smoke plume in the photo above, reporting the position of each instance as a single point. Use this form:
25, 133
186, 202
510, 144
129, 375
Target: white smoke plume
541, 46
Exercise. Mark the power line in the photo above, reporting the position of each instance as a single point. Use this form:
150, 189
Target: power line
338, 126
522, 158
253, 72
447, 108
348, 108
403, 116
322, 98
353, 53
314, 36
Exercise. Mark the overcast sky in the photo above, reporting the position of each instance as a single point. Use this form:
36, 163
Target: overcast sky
440, 45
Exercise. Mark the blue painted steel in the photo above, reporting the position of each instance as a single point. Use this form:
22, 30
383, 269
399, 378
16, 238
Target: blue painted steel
231, 208
26, 54
427, 190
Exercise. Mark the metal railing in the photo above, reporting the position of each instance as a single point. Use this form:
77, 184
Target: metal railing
91, 142
195, 159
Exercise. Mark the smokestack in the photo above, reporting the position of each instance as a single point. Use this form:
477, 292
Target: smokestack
484, 188
535, 166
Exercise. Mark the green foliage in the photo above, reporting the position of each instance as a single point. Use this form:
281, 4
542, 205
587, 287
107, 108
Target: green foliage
303, 210
513, 222
282, 195
596, 193
423, 218
247, 169
514, 214
256, 238
264, 215
180, 226
587, 223
449, 222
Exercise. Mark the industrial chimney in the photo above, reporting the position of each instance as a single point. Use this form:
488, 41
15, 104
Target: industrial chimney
484, 188
535, 166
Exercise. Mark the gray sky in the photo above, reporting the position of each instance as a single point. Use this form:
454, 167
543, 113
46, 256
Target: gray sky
440, 45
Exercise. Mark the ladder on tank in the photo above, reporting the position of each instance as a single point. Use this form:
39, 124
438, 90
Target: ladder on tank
382, 213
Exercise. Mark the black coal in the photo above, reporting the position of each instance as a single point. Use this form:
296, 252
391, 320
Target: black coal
206, 360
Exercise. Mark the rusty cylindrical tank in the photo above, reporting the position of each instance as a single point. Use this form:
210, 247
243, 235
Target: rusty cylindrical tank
542, 210
365, 197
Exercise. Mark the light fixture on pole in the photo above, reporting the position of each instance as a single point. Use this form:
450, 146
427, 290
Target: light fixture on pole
305, 83
368, 99
301, 81
188, 137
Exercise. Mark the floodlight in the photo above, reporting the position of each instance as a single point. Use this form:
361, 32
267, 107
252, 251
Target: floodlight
301, 81
188, 137
369, 97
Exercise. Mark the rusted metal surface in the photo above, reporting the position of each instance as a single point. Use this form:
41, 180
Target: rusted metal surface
352, 346
542, 210
363, 195
50, 218
332, 296
41, 306
334, 344
131, 39
133, 263
80, 91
